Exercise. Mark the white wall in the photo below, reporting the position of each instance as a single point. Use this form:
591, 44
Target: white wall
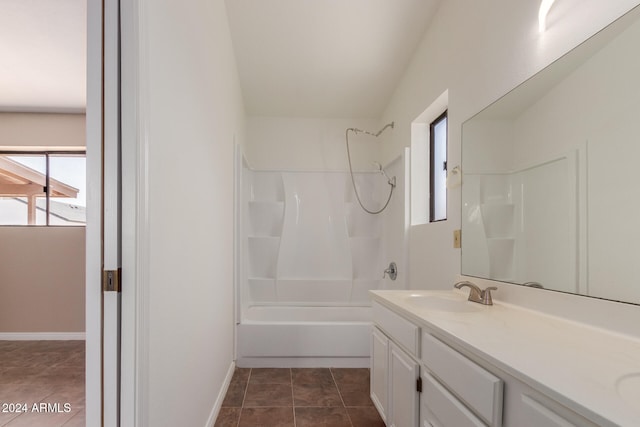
478, 51
20, 130
194, 114
42, 279
287, 143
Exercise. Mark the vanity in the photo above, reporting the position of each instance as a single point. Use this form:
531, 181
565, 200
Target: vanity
440, 360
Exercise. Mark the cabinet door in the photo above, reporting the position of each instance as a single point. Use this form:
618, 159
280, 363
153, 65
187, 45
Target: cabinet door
403, 395
380, 372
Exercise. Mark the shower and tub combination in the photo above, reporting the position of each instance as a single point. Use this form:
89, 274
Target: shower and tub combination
311, 246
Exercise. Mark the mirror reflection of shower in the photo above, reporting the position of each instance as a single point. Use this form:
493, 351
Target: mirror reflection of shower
391, 181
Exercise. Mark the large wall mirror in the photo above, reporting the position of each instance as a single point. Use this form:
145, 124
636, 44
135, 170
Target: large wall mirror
551, 184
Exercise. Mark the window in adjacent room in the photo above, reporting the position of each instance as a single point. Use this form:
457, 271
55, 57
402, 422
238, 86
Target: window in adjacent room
43, 188
438, 169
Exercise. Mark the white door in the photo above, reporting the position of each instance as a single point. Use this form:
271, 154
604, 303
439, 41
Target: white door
103, 219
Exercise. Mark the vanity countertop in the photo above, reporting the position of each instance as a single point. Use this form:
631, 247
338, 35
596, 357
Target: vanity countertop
594, 371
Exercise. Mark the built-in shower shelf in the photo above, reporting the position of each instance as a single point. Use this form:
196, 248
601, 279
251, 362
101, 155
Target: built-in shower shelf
266, 186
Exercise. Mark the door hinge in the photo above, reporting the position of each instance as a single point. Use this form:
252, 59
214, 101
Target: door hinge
419, 385
111, 281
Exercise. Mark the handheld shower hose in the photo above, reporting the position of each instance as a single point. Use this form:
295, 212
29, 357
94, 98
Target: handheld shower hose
390, 181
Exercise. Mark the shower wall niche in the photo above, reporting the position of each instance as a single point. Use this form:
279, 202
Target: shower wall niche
306, 241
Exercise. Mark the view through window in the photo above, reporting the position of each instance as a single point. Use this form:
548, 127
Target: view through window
43, 188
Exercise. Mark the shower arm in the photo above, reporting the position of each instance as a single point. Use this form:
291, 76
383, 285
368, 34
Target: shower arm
356, 130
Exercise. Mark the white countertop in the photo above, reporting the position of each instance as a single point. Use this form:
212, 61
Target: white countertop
575, 364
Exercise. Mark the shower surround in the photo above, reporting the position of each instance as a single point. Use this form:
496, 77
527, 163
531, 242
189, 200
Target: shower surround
309, 256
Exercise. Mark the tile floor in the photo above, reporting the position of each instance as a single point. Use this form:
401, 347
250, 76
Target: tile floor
318, 397
44, 376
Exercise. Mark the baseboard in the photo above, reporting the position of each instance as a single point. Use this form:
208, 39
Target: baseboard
41, 336
223, 392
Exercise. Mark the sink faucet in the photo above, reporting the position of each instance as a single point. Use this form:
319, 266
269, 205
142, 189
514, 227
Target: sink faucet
476, 294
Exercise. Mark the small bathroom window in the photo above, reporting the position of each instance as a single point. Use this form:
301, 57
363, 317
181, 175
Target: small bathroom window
428, 163
438, 169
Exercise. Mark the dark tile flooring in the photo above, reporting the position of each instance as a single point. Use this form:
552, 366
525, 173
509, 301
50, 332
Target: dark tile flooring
42, 372
299, 397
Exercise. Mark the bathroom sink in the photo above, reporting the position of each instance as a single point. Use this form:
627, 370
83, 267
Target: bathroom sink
628, 388
446, 303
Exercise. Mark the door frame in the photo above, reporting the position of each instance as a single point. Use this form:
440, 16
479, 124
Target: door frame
135, 216
135, 232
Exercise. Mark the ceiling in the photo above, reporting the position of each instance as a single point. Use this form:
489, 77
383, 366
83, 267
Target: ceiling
324, 58
296, 58
43, 55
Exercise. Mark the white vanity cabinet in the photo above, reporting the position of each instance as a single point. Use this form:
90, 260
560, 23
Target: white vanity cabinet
441, 388
429, 384
498, 366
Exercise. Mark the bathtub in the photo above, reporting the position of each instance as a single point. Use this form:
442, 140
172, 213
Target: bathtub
296, 336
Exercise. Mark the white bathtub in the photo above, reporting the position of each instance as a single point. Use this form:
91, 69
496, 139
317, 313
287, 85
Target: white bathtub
288, 336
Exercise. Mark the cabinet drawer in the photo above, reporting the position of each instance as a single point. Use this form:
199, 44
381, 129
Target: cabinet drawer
478, 388
399, 329
442, 409
535, 413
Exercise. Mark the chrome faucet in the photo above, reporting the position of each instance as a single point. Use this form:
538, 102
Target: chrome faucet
476, 294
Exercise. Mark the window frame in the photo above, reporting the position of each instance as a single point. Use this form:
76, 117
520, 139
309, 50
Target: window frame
432, 166
46, 154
